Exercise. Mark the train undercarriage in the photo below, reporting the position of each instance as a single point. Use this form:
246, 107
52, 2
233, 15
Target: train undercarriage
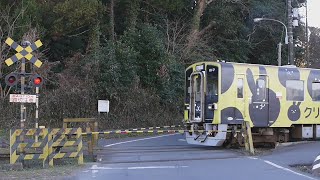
233, 136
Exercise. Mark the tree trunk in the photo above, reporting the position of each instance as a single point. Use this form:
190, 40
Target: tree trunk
112, 34
196, 32
132, 16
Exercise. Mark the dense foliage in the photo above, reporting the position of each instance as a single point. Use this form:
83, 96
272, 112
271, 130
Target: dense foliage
132, 52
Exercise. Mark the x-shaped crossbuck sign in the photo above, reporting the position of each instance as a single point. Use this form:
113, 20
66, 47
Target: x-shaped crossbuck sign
23, 52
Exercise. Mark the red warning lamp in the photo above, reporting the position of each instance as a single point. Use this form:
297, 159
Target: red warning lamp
37, 80
11, 79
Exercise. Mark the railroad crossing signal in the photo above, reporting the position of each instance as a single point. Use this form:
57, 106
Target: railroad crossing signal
37, 80
23, 52
11, 79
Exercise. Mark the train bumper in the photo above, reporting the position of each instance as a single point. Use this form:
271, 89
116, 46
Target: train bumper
217, 140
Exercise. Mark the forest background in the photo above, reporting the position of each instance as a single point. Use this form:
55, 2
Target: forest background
134, 52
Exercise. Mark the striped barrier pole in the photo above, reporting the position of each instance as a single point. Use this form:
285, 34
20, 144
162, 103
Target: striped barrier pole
151, 131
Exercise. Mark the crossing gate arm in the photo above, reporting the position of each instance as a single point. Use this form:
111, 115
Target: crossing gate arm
151, 131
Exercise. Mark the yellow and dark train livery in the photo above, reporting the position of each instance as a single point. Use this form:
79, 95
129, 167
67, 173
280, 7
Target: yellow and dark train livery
280, 102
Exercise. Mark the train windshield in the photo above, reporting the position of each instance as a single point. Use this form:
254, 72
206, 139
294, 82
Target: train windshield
212, 83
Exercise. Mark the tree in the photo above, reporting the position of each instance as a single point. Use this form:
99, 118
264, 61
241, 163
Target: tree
314, 48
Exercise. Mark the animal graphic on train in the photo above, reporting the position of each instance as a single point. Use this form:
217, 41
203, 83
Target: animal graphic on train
281, 103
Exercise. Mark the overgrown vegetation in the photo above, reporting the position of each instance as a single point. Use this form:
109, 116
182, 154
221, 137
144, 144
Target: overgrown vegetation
131, 52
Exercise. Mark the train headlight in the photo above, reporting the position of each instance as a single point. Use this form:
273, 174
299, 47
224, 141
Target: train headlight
213, 106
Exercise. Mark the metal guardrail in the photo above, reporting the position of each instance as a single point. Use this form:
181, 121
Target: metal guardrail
60, 140
17, 148
48, 141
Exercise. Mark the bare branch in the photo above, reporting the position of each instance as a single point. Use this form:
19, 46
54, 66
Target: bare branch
207, 28
73, 35
209, 1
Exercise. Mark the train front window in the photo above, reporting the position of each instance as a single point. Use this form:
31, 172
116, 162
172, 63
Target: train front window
240, 88
198, 88
212, 82
187, 85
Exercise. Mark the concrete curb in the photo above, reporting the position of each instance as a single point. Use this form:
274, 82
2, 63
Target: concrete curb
294, 143
11, 167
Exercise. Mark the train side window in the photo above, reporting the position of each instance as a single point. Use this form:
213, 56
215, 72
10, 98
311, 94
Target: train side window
240, 88
316, 91
261, 89
295, 90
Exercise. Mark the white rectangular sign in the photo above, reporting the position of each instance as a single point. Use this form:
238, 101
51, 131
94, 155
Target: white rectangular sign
23, 98
103, 106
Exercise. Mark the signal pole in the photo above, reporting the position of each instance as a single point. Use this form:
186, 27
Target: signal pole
23, 109
290, 33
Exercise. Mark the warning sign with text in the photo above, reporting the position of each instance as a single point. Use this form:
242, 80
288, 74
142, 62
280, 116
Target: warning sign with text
22, 98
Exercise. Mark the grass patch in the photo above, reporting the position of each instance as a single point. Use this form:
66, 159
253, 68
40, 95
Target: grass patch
33, 170
306, 168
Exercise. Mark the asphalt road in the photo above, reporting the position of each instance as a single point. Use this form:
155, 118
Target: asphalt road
170, 157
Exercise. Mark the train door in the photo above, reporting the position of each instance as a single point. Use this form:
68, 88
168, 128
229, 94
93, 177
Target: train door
259, 111
212, 90
240, 97
196, 97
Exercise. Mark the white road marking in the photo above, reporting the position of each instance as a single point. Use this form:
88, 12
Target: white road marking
283, 168
139, 140
286, 169
316, 166
93, 173
182, 140
96, 168
252, 158
318, 157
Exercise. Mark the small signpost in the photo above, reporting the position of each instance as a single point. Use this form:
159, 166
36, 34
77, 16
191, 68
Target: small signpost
103, 106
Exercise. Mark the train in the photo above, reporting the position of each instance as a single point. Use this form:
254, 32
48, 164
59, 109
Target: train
281, 103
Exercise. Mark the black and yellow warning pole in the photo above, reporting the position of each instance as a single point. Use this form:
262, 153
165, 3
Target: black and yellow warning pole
37, 111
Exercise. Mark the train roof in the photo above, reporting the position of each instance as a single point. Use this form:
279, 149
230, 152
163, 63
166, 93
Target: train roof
248, 64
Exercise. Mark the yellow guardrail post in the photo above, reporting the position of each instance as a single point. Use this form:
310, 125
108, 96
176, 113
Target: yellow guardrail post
50, 148
90, 141
13, 147
95, 136
79, 149
248, 137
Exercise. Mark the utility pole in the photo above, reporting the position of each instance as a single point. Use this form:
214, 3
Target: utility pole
307, 36
290, 33
279, 54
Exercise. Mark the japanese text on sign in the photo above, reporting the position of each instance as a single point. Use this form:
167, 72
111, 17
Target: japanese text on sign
23, 98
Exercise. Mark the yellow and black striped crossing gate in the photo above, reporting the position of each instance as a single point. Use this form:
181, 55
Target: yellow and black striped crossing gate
29, 149
23, 52
65, 143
